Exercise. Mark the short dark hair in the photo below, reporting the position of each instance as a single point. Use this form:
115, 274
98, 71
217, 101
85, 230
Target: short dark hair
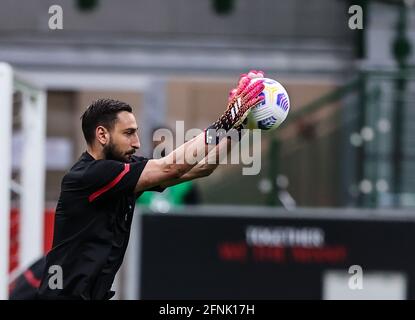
101, 112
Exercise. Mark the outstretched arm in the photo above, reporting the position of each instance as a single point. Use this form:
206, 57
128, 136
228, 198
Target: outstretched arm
206, 166
175, 165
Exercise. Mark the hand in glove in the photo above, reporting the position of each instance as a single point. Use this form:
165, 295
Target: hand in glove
244, 98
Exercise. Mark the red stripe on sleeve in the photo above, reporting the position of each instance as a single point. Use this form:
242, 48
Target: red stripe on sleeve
30, 277
110, 185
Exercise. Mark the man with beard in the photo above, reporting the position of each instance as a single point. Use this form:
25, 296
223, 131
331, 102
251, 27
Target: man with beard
98, 194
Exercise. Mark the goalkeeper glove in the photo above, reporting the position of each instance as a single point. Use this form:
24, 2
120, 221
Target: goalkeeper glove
252, 74
245, 97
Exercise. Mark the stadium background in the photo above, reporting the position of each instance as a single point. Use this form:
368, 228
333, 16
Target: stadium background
345, 152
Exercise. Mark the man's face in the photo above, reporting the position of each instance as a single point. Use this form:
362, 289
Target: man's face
124, 139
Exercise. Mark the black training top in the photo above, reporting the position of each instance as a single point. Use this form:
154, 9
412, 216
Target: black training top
92, 228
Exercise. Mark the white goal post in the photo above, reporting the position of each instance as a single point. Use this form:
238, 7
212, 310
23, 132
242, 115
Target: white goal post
32, 171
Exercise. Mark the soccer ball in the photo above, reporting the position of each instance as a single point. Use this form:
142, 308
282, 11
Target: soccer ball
273, 110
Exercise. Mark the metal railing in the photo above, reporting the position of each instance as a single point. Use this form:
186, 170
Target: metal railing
354, 146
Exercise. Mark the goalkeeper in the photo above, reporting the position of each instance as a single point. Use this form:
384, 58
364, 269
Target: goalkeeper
98, 194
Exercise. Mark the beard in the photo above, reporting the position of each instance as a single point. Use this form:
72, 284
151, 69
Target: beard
111, 152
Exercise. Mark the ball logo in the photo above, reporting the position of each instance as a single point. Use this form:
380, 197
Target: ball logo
272, 111
282, 101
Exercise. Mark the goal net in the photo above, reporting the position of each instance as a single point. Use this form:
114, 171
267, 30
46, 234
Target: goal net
22, 174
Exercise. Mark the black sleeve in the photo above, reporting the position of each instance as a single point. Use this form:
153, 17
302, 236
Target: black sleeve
109, 178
